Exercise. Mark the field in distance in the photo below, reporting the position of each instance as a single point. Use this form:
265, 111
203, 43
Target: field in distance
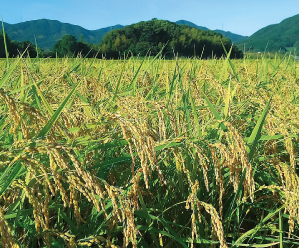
149, 153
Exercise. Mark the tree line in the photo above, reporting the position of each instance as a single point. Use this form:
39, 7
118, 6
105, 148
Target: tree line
15, 48
141, 39
68, 46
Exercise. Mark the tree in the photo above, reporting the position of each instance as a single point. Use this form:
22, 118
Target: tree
81, 38
12, 48
142, 48
123, 39
84, 50
116, 43
67, 46
28, 47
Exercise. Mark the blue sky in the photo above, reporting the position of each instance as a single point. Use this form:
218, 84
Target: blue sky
238, 16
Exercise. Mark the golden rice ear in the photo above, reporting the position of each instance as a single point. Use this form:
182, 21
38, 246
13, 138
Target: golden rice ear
14, 112
217, 224
238, 150
216, 221
7, 239
290, 189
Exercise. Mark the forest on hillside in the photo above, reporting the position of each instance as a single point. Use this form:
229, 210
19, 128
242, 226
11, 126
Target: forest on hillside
150, 37
282, 37
140, 39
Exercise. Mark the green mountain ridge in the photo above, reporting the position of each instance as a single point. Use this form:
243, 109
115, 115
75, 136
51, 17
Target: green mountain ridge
233, 37
283, 36
48, 32
191, 24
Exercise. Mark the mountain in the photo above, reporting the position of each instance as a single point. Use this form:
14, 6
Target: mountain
190, 24
48, 32
233, 37
282, 36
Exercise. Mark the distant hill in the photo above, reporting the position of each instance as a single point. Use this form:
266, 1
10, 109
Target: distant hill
233, 37
48, 32
283, 36
140, 38
191, 24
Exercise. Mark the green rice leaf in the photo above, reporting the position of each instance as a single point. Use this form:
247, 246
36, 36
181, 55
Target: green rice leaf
46, 129
9, 175
256, 133
5, 45
215, 113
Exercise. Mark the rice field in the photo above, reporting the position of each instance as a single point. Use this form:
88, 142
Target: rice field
149, 152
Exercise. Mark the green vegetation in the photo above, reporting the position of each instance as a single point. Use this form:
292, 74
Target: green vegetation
68, 46
139, 39
277, 37
149, 153
151, 36
48, 32
15, 48
281, 37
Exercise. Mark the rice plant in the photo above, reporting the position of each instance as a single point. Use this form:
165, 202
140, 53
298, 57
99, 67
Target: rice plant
149, 153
